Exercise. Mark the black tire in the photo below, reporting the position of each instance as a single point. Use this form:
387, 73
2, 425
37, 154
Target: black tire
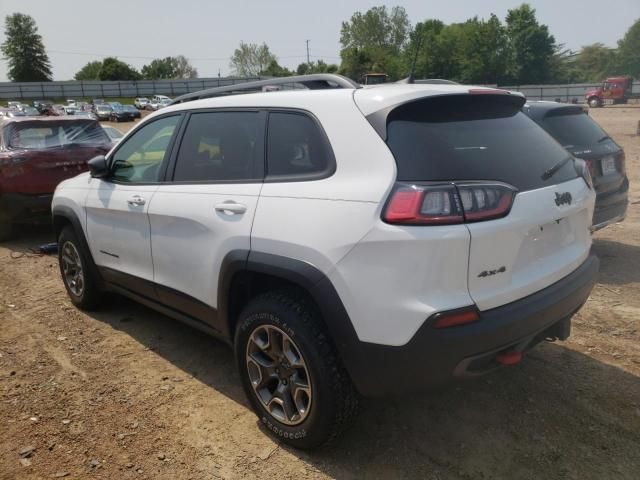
594, 102
88, 297
333, 399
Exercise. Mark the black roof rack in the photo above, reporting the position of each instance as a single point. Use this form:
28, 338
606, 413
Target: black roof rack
316, 81
428, 81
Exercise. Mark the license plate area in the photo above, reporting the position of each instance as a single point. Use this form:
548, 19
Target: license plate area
608, 165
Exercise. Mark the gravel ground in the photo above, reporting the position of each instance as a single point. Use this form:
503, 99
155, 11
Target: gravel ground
128, 393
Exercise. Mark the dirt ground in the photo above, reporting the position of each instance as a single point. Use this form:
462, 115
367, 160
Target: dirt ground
128, 393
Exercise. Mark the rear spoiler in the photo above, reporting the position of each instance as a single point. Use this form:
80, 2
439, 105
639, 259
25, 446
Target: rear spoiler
378, 120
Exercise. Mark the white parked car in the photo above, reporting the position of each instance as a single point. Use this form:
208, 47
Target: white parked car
343, 241
141, 103
158, 101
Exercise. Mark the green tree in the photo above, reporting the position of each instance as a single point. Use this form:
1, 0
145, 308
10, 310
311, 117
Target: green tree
169, 67
471, 52
24, 50
160, 68
251, 59
184, 69
91, 71
373, 42
628, 55
275, 70
424, 46
114, 69
591, 64
531, 47
316, 67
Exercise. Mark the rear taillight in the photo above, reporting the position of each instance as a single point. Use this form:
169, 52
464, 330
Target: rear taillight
446, 204
621, 163
591, 167
583, 170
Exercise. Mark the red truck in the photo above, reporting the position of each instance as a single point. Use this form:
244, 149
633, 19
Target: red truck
37, 153
613, 90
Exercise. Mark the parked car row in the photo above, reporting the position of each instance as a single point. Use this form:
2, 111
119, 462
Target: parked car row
157, 102
98, 109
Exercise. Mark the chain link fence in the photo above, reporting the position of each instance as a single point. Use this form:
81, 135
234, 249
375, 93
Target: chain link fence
145, 88
572, 93
98, 89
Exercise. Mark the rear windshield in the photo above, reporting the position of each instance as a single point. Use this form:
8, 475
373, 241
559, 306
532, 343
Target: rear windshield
473, 137
37, 135
572, 128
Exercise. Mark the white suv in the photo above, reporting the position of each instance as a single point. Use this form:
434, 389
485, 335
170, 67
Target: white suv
342, 240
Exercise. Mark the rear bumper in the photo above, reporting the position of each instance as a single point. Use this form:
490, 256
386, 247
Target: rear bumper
435, 356
17, 207
611, 207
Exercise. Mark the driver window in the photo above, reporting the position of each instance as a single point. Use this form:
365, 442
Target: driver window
139, 158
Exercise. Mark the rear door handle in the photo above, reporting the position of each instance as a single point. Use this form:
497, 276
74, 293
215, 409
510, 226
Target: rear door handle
231, 208
136, 200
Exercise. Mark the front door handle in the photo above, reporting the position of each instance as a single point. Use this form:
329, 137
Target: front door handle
231, 208
136, 200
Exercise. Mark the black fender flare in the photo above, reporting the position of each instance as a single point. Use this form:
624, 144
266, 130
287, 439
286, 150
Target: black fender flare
63, 211
307, 277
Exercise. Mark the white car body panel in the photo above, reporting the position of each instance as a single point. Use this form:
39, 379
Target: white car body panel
117, 231
397, 276
190, 238
538, 243
390, 278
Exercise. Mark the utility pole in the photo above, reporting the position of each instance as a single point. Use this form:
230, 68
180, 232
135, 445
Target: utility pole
308, 62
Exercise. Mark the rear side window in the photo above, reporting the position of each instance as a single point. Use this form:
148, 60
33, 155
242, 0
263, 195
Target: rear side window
297, 148
221, 146
473, 137
573, 128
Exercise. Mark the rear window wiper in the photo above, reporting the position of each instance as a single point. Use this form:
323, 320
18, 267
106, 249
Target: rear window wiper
553, 170
606, 137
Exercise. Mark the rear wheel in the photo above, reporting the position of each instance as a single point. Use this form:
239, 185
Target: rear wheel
291, 372
80, 284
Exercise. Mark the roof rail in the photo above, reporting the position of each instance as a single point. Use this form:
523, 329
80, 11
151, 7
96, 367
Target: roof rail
316, 81
428, 81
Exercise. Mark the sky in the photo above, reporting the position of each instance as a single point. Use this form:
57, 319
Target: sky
207, 32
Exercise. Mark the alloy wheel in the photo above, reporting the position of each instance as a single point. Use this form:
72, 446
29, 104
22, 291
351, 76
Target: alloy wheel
72, 269
278, 374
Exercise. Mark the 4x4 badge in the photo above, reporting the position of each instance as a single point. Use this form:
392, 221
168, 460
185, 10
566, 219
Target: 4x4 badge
489, 273
562, 198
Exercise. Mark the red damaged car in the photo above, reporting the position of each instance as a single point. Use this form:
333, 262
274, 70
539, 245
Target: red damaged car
35, 155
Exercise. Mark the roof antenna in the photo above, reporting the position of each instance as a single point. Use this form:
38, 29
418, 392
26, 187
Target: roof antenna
411, 78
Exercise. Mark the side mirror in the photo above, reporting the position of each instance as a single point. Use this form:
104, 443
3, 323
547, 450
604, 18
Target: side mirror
98, 167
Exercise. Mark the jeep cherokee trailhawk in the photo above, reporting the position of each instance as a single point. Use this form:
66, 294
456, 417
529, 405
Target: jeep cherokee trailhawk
345, 241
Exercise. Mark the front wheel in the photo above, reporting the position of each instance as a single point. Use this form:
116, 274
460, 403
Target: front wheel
81, 286
594, 102
291, 371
